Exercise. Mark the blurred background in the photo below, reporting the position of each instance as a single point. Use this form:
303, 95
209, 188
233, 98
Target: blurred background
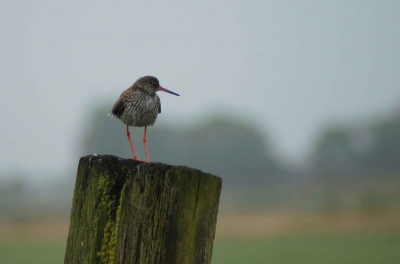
295, 104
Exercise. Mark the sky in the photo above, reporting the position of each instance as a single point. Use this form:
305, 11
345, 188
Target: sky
288, 67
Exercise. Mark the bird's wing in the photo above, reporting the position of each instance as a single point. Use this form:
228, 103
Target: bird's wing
118, 108
159, 103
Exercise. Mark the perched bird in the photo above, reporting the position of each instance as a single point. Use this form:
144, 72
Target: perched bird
139, 106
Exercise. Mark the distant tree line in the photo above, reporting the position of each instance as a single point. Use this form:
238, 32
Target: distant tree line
365, 150
240, 154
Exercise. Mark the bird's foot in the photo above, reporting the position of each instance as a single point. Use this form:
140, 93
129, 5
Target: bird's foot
137, 159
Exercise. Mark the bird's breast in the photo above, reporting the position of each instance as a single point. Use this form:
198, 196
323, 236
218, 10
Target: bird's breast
141, 111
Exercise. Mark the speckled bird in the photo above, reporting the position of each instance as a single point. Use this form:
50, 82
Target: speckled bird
139, 106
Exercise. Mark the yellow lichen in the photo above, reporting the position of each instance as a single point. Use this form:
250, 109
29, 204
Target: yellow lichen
110, 238
105, 185
114, 235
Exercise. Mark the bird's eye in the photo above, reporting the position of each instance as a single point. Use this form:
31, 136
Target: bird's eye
150, 82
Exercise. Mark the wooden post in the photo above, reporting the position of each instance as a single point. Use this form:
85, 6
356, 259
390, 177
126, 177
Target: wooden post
125, 211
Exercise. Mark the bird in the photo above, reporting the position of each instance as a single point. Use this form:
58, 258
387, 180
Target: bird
139, 106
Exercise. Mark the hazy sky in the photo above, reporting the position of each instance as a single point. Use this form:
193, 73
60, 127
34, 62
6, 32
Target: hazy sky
289, 67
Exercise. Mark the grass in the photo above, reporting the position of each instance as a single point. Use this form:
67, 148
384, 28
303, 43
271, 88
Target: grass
306, 248
32, 253
346, 248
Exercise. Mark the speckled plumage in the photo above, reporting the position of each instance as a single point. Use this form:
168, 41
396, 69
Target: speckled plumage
139, 106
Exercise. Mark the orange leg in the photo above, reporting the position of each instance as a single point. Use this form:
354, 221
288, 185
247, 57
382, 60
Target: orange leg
145, 144
128, 135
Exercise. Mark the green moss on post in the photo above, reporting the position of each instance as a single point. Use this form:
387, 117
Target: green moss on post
131, 212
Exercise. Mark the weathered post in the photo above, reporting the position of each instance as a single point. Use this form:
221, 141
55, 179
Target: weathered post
125, 211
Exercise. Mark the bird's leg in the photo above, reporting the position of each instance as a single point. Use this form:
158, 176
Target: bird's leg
128, 135
145, 144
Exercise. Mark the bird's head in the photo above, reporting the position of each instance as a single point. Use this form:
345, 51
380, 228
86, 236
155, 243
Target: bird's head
151, 85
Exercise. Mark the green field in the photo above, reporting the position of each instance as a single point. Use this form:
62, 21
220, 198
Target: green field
32, 253
372, 248
321, 248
